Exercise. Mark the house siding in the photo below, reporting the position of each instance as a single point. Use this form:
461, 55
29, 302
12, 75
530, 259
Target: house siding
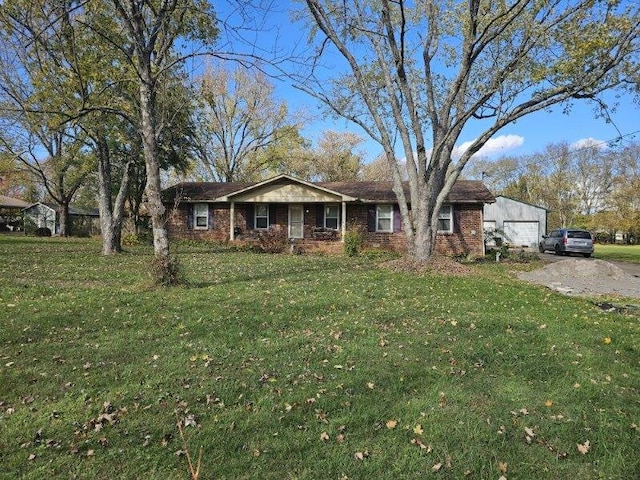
466, 238
178, 223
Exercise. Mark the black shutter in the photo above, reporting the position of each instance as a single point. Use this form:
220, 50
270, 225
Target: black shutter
250, 216
397, 219
210, 208
272, 214
371, 218
319, 215
190, 207
456, 215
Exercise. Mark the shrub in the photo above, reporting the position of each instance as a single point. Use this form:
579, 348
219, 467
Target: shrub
132, 239
273, 240
353, 240
166, 271
42, 232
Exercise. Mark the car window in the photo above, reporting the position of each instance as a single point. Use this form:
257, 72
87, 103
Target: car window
578, 234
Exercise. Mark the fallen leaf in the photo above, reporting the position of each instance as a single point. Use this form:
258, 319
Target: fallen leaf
32, 457
362, 455
391, 424
418, 430
548, 403
584, 448
529, 434
324, 436
418, 442
607, 340
502, 466
436, 467
371, 385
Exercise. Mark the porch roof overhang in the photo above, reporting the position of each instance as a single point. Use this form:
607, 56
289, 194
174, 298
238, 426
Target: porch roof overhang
286, 189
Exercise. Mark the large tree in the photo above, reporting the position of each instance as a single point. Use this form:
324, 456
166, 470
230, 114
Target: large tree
415, 75
152, 31
238, 120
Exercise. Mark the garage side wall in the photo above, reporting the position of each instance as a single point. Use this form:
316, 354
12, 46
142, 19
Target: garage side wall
523, 224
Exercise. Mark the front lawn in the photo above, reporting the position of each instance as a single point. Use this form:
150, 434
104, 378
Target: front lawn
305, 367
623, 253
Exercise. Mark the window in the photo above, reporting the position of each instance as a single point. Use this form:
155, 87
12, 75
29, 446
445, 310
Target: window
262, 216
331, 213
384, 218
201, 216
445, 219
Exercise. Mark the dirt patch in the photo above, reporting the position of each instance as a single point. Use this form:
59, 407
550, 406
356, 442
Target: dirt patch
437, 264
585, 277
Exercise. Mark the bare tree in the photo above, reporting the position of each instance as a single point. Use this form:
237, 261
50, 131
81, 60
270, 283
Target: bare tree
414, 75
238, 120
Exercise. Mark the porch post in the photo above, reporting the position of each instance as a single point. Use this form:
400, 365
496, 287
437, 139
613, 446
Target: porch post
232, 221
344, 221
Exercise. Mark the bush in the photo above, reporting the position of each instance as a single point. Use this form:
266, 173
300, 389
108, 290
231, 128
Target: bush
353, 240
166, 271
133, 239
273, 240
42, 232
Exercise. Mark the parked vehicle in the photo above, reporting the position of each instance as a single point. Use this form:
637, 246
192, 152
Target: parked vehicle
568, 240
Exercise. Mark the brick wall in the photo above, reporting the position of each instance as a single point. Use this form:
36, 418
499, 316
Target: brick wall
178, 223
470, 238
467, 239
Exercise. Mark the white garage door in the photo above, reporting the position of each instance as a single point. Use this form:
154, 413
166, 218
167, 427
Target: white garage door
521, 234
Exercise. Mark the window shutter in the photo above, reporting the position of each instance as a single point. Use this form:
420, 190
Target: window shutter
455, 218
190, 207
272, 214
319, 215
397, 219
371, 218
250, 217
210, 209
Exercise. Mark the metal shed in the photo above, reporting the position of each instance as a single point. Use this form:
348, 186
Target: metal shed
523, 224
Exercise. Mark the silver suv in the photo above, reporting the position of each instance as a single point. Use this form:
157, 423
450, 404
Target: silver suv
568, 240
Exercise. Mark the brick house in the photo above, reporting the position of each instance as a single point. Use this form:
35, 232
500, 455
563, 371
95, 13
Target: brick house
317, 214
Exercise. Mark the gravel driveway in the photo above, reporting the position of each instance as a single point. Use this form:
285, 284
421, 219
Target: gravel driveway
580, 276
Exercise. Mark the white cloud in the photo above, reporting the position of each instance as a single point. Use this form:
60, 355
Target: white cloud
587, 143
494, 146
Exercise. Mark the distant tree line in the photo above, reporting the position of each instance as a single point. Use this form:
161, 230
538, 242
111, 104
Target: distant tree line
595, 186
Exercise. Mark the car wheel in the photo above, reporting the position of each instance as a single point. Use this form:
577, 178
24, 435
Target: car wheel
586, 255
540, 248
556, 250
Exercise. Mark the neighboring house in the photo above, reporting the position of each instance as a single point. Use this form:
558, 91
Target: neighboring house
314, 214
522, 224
45, 215
11, 213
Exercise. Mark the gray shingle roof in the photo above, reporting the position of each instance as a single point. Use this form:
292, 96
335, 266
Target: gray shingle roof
463, 191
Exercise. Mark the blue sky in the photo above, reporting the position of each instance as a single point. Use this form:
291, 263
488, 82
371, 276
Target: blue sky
530, 134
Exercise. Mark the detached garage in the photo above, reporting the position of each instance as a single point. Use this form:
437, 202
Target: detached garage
523, 224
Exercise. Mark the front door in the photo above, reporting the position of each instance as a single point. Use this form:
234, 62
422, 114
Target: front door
296, 221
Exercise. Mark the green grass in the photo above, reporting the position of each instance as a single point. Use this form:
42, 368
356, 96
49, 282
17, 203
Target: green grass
623, 253
292, 367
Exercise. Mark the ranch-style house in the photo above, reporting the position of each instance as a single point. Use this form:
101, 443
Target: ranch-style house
316, 215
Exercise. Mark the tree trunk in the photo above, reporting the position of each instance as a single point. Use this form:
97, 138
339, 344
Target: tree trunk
163, 265
111, 213
65, 224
